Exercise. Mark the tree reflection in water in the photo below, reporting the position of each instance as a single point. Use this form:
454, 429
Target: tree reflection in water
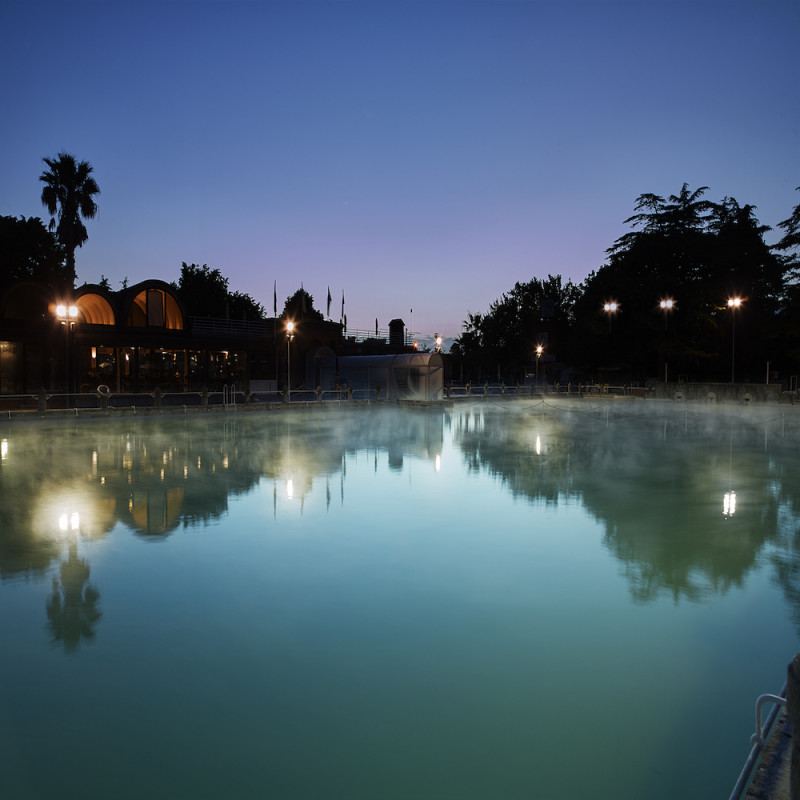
72, 610
655, 477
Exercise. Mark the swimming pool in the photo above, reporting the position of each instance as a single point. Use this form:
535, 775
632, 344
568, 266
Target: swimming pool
512, 599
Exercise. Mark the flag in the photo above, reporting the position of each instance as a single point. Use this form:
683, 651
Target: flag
275, 299
329, 303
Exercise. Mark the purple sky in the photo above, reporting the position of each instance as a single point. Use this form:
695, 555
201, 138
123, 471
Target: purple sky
415, 155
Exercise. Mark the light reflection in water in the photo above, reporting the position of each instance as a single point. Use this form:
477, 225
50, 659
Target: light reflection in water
729, 504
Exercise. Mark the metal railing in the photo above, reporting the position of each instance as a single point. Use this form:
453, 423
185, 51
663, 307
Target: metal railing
256, 327
231, 398
759, 739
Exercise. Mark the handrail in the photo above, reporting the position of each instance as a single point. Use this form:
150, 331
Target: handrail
759, 739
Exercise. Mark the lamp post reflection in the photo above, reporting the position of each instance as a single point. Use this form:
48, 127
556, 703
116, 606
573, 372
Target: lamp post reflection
729, 498
72, 609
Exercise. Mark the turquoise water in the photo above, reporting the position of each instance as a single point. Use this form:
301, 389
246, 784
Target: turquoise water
492, 601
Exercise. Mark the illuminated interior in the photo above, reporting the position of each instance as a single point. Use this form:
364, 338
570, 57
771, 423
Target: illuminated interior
94, 309
157, 309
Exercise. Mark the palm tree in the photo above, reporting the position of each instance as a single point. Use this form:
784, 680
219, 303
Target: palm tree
69, 190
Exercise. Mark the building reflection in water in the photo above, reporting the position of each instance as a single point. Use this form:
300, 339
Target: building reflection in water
64, 484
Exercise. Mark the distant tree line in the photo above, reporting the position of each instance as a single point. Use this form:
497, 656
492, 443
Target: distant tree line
659, 305
685, 252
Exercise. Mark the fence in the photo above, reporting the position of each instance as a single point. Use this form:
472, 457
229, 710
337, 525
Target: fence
231, 398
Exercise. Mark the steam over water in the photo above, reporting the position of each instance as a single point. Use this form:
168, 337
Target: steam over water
494, 600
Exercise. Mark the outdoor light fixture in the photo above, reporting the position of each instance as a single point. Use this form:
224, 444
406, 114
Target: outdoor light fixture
666, 305
289, 337
67, 315
438, 342
733, 304
539, 351
611, 307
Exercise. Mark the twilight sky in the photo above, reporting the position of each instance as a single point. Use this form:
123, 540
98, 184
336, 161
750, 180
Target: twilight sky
419, 155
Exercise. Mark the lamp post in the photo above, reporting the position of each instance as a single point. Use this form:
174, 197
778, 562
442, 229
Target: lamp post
667, 304
539, 350
437, 340
289, 337
733, 304
67, 315
611, 307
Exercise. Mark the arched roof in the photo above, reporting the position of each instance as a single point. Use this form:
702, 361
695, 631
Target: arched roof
95, 306
153, 303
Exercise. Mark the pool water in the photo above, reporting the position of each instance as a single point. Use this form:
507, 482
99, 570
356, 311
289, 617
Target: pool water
494, 600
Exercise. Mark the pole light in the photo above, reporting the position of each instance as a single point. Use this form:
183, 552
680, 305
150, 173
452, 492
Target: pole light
437, 342
67, 315
539, 351
610, 308
289, 337
666, 305
733, 304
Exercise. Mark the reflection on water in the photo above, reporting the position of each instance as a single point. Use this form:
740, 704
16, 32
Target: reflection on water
656, 481
438, 602
72, 610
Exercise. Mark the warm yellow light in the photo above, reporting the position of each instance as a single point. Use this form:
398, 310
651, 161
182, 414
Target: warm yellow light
667, 305
734, 302
539, 350
4, 449
61, 311
73, 312
611, 307
289, 327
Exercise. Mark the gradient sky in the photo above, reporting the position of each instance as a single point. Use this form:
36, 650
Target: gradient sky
415, 155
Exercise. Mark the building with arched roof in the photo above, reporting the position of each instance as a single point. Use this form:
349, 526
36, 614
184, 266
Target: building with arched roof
140, 338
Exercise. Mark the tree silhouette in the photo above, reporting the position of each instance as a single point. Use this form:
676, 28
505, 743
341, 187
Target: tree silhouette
69, 193
28, 251
300, 306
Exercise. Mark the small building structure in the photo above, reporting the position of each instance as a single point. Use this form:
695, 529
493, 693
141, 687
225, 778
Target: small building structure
397, 376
